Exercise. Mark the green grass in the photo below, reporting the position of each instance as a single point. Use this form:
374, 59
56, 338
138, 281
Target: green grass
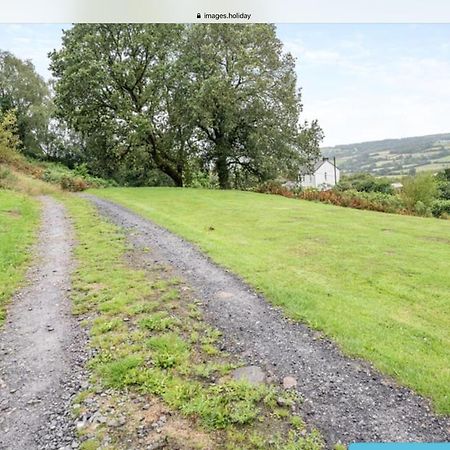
148, 351
19, 217
378, 284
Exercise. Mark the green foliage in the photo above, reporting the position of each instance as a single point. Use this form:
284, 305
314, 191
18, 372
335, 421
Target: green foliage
203, 180
364, 182
25, 92
7, 179
226, 404
122, 123
159, 321
115, 373
443, 184
440, 208
9, 139
169, 350
75, 180
420, 188
226, 93
245, 103
421, 209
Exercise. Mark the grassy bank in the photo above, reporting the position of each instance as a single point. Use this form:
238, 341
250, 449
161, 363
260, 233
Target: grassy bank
19, 217
377, 284
156, 357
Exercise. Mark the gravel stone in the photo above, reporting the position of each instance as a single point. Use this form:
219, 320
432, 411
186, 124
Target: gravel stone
289, 382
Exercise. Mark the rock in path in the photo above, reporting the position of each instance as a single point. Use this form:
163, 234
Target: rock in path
251, 374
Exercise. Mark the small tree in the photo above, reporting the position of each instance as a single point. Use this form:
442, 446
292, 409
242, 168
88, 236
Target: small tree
420, 188
9, 139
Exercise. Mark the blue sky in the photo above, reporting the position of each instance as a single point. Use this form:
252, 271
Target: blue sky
362, 82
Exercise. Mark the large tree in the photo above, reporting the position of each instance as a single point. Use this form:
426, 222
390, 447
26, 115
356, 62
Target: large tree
119, 86
27, 93
246, 103
183, 98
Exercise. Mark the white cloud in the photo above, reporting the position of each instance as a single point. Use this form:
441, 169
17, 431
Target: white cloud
358, 97
31, 42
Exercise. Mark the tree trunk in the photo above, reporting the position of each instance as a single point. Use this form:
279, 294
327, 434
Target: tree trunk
175, 172
222, 151
222, 172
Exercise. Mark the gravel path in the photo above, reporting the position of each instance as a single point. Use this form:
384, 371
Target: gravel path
41, 347
345, 398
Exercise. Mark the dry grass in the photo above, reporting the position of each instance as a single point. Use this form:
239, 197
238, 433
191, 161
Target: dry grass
14, 180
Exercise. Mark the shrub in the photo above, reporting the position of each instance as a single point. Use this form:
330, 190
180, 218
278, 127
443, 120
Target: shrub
420, 188
274, 187
422, 210
203, 180
364, 182
440, 208
74, 184
374, 201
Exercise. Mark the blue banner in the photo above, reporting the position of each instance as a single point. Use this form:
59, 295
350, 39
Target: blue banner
401, 446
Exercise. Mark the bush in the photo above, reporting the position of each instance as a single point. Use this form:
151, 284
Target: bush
74, 184
374, 201
364, 182
421, 188
203, 180
274, 187
440, 208
422, 210
77, 179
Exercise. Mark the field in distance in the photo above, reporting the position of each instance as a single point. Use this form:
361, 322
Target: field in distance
376, 283
394, 157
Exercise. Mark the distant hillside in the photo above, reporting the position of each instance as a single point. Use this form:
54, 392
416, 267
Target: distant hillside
394, 156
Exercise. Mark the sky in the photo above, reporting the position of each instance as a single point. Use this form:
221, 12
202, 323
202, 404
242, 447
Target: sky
361, 82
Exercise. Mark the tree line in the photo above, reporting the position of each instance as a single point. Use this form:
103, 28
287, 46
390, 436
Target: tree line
165, 104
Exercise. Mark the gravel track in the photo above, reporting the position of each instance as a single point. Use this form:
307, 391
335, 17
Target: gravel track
42, 347
345, 398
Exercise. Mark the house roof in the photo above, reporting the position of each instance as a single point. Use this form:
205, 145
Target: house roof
305, 170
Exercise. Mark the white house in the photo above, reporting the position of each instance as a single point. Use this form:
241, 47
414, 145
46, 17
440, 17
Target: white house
324, 175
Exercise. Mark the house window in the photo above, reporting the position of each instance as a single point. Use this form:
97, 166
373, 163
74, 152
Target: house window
325, 175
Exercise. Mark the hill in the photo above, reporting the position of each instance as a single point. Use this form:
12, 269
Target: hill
391, 157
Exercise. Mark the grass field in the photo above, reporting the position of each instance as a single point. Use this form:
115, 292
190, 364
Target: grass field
378, 284
18, 220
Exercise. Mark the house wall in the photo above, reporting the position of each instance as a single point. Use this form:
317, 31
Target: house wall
308, 181
324, 175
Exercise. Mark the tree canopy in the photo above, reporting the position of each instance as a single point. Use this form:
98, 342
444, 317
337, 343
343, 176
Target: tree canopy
181, 99
27, 94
